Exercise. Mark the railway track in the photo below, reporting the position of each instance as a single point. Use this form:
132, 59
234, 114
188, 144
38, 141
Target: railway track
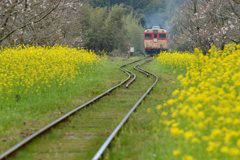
99, 154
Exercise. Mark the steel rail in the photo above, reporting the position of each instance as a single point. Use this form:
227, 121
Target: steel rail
101, 150
134, 77
126, 71
143, 64
137, 69
13, 149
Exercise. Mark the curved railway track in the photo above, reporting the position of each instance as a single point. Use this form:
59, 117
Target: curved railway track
99, 154
102, 149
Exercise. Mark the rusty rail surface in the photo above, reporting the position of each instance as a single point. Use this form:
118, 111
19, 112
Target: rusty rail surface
100, 152
28, 139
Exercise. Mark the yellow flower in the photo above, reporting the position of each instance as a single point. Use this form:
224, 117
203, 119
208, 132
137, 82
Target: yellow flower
32, 69
195, 140
238, 143
148, 110
187, 157
207, 105
176, 152
205, 138
175, 124
215, 133
188, 134
234, 151
170, 101
159, 107
180, 77
224, 149
175, 92
175, 131
209, 149
164, 114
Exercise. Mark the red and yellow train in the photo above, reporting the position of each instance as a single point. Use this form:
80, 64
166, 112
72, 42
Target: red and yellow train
155, 40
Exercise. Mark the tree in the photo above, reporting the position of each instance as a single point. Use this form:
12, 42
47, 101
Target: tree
17, 15
135, 32
205, 23
93, 21
102, 30
40, 22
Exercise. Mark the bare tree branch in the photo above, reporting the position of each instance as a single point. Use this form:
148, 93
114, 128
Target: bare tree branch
29, 22
235, 12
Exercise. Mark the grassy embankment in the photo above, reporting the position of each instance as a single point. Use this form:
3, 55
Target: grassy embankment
201, 121
38, 85
83, 134
140, 139
37, 88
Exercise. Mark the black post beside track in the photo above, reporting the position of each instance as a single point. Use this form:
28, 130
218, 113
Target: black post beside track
21, 144
99, 154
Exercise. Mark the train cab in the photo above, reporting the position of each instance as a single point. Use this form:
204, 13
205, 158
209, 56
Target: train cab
155, 40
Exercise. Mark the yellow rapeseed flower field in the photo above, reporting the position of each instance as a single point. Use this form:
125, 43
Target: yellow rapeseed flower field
205, 114
26, 70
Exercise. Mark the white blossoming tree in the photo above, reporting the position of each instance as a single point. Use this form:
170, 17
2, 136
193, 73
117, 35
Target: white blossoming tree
204, 23
39, 21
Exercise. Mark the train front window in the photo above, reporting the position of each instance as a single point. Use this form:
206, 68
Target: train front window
155, 35
148, 35
162, 35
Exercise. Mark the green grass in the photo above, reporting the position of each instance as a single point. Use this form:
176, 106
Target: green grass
85, 132
23, 117
77, 138
140, 140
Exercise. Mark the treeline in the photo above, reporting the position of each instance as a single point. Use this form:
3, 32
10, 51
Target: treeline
108, 25
110, 30
77, 23
150, 12
111, 25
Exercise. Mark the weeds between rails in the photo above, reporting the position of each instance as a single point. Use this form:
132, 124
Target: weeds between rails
23, 143
106, 144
